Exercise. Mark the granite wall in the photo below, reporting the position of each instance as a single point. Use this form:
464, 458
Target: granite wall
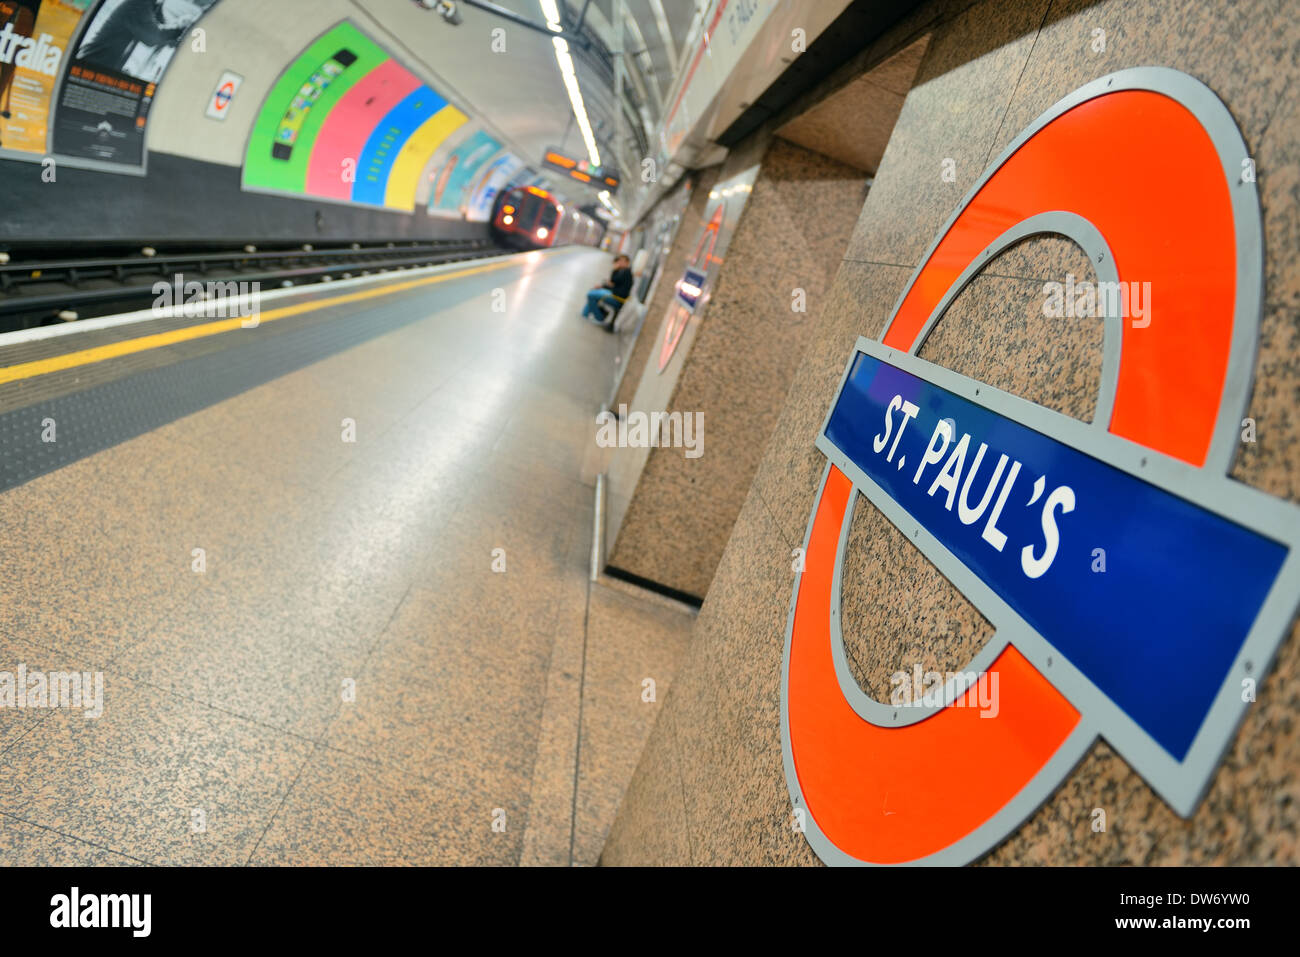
710, 788
741, 360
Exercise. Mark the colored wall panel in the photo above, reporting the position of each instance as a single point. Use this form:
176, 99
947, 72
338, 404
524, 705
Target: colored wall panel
488, 184
297, 107
386, 142
336, 157
458, 171
404, 178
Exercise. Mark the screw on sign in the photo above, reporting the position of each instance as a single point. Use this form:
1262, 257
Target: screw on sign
1008, 499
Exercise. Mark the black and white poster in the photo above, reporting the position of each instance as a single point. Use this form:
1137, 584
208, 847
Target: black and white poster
112, 78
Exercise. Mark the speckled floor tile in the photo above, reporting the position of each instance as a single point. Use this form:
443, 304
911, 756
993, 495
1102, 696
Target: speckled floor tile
219, 676
273, 671
28, 845
548, 839
629, 641
16, 653
446, 698
346, 811
132, 779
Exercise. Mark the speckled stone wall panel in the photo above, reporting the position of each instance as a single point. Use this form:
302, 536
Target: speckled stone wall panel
683, 246
791, 236
952, 114
990, 69
995, 330
873, 100
944, 629
860, 300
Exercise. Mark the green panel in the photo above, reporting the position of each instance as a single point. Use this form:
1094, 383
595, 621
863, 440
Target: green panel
263, 168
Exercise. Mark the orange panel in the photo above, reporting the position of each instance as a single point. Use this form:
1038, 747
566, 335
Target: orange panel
891, 795
1167, 222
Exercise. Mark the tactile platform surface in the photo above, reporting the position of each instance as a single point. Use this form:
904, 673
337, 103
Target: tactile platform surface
130, 400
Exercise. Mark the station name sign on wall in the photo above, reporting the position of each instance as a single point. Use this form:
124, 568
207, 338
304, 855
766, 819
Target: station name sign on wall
1159, 649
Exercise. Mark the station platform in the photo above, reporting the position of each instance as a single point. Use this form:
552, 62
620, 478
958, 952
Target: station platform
334, 573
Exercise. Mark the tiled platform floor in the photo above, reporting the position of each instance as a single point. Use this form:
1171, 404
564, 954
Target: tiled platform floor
480, 696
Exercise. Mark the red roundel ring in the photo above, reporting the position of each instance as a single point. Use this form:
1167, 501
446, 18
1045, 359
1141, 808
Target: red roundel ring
1144, 169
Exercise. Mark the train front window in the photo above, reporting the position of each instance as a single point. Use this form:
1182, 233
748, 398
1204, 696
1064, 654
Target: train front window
528, 206
548, 217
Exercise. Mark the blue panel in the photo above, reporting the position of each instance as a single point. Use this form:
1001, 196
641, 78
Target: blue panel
1156, 631
693, 277
387, 141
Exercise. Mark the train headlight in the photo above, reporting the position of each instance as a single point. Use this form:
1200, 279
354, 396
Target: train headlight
541, 233
507, 219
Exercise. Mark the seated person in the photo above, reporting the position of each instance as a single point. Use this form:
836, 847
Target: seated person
614, 290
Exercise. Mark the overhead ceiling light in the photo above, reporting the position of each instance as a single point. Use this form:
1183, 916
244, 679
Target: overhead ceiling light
551, 11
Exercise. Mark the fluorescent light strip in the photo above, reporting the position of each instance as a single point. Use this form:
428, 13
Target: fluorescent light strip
552, 13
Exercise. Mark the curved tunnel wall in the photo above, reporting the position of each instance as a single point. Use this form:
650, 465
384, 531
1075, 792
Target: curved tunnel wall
127, 145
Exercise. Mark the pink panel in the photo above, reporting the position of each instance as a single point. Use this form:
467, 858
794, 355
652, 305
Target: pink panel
349, 125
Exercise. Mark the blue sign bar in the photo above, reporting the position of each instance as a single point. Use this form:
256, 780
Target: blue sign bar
690, 287
1156, 631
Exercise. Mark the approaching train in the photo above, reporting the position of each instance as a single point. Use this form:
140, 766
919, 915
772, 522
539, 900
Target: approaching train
531, 218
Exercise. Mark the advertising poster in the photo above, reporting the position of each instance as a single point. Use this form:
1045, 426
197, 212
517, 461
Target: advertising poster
404, 178
347, 122
450, 182
34, 39
111, 80
488, 186
296, 109
336, 153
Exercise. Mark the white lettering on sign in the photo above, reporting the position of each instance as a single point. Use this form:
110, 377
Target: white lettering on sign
1035, 558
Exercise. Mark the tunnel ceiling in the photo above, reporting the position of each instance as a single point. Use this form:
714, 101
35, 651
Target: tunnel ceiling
517, 95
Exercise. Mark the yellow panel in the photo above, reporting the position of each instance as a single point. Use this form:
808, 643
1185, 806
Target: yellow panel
410, 162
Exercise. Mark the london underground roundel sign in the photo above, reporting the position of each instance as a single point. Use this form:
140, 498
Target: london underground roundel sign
1142, 169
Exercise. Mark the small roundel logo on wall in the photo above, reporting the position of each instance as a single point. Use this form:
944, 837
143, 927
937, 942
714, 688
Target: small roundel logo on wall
227, 86
1010, 501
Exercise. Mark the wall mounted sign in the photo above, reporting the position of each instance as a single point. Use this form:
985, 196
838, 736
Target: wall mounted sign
1009, 500
223, 95
690, 286
454, 179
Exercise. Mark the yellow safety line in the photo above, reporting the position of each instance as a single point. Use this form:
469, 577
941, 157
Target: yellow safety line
70, 360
